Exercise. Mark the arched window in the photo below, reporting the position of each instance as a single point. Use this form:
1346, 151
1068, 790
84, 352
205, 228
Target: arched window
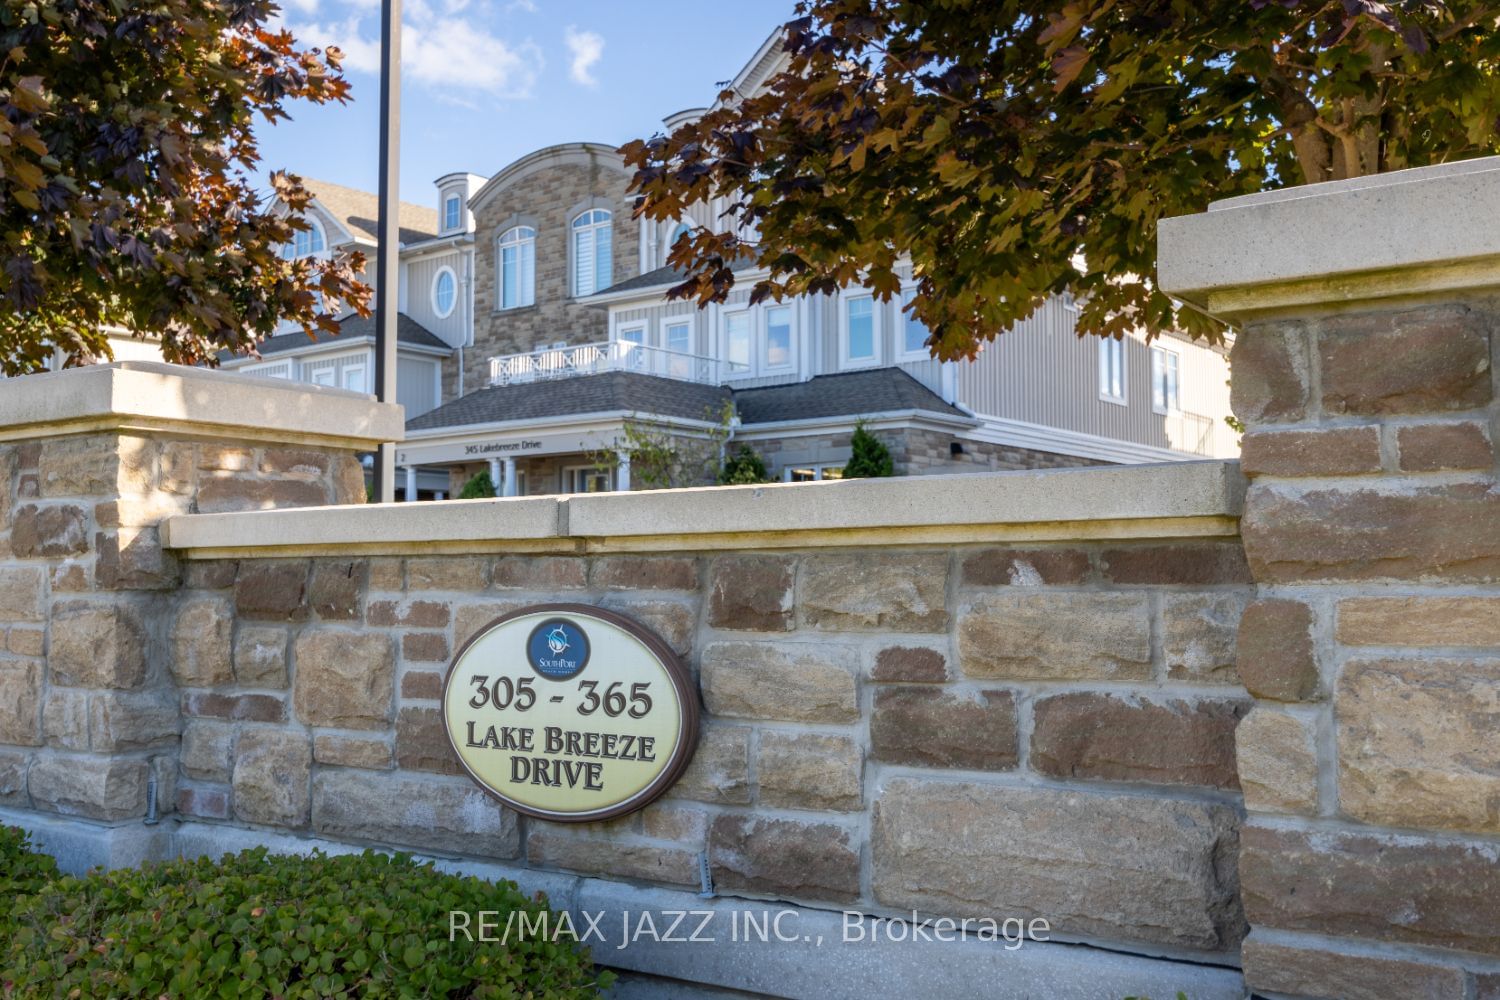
444, 292
516, 259
592, 258
307, 242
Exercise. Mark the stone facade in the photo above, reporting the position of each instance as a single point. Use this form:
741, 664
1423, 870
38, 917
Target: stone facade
914, 451
547, 199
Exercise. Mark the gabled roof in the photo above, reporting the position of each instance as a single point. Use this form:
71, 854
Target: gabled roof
606, 392
351, 328
847, 394
359, 212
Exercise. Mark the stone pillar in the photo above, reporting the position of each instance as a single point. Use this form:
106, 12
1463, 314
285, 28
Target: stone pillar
94, 647
411, 483
1366, 318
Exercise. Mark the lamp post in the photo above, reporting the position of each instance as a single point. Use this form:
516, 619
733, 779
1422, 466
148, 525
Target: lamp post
387, 253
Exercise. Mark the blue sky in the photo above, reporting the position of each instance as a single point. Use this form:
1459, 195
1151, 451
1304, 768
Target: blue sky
486, 81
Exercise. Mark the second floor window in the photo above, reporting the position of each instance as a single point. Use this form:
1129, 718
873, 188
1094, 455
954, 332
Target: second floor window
737, 340
453, 213
444, 292
859, 330
592, 258
913, 331
1165, 397
1112, 369
778, 337
306, 243
517, 267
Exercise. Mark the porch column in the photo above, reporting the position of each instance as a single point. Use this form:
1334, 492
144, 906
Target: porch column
622, 472
411, 483
495, 479
508, 487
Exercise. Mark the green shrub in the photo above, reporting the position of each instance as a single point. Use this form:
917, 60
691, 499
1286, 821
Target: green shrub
869, 457
478, 487
743, 468
256, 925
23, 872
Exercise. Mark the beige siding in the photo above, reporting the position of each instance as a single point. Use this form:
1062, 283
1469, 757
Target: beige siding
1041, 372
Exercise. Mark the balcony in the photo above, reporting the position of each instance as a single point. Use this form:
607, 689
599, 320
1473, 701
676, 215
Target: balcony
612, 356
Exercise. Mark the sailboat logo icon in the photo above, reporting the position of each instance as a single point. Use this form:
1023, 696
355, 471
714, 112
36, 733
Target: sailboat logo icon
558, 648
557, 640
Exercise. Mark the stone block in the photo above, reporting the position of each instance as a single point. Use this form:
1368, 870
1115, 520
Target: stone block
272, 590
1198, 635
1416, 743
1190, 564
386, 573
295, 462
470, 619
1335, 451
539, 573
13, 767
422, 742
1419, 621
447, 573
911, 664
120, 720
336, 589
202, 643
784, 858
233, 707
26, 641
343, 679
1449, 533
20, 702
553, 847
217, 494
209, 574
207, 748
89, 465
1115, 867
407, 614
644, 573
423, 685
97, 645
666, 821
1319, 971
675, 622
21, 593
751, 593
941, 727
102, 788
1274, 654
203, 803
1000, 567
132, 558
1046, 635
260, 656
875, 591
424, 647
49, 532
271, 772
810, 771
65, 716
1444, 447
1272, 380
1117, 738
1374, 887
439, 816
349, 480
370, 752
1445, 352
1277, 761
720, 768
789, 682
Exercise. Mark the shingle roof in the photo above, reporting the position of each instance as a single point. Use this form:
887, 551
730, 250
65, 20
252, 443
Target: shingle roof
606, 392
667, 275
408, 331
359, 211
847, 394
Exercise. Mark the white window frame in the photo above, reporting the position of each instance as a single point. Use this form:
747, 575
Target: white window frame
762, 351
453, 198
570, 473
437, 276
364, 381
1102, 367
315, 235
902, 318
594, 226
876, 333
527, 292
635, 333
1173, 405
818, 468
324, 376
724, 315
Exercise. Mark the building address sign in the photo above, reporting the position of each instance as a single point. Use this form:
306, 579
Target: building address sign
570, 712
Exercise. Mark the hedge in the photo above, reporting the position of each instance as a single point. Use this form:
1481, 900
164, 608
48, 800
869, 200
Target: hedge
258, 925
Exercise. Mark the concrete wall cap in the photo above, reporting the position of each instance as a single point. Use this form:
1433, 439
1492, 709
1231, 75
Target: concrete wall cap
146, 395
1338, 241
1170, 500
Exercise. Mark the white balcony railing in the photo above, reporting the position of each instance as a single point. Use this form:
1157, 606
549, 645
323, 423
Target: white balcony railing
611, 356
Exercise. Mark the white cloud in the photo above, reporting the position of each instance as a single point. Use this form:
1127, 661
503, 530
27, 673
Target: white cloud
586, 48
444, 51
529, 6
302, 6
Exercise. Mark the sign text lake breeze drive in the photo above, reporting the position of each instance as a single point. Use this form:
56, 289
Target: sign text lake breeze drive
568, 712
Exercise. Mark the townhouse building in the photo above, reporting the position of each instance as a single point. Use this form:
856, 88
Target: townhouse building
535, 325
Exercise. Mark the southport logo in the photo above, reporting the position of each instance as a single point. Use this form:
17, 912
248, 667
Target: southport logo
558, 649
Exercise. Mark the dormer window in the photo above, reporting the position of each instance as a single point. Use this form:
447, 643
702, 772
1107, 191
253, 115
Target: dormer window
453, 213
593, 261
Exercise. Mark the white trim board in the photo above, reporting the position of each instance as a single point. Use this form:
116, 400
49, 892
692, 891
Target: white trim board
1039, 437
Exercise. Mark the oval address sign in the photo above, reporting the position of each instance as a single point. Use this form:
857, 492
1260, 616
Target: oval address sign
569, 712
